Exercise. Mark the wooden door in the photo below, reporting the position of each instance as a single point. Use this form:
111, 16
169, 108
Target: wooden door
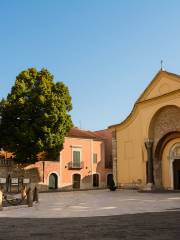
176, 170
95, 180
76, 181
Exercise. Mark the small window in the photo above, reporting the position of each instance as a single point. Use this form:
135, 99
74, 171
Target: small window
76, 158
94, 157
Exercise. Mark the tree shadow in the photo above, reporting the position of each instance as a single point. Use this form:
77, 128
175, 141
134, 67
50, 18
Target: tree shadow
142, 226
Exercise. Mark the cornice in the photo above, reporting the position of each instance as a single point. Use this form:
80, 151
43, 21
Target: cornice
151, 101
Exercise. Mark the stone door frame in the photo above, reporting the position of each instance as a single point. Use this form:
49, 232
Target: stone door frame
172, 157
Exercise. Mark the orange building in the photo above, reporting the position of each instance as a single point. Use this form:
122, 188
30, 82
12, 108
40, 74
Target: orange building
84, 163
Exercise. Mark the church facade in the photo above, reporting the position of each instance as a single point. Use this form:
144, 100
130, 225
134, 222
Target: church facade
146, 145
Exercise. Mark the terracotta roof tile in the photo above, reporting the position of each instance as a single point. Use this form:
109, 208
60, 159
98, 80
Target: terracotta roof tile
79, 133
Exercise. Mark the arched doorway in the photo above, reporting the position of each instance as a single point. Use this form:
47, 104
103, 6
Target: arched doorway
164, 127
174, 162
110, 180
53, 181
76, 181
176, 173
95, 180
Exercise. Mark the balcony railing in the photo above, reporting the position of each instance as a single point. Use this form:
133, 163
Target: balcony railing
73, 165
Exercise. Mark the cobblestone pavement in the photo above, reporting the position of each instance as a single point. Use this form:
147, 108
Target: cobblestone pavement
95, 215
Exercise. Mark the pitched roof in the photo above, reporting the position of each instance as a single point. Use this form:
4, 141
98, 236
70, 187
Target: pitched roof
140, 99
154, 79
80, 133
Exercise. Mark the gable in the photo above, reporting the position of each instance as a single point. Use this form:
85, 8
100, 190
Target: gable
162, 83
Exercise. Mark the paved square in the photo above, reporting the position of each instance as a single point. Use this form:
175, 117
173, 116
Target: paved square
95, 215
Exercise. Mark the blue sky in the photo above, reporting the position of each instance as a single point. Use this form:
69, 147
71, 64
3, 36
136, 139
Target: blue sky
106, 51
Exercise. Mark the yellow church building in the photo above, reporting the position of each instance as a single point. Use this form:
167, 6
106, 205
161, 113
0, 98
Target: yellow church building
146, 145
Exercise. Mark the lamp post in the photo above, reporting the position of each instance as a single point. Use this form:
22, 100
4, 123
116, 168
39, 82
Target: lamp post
150, 176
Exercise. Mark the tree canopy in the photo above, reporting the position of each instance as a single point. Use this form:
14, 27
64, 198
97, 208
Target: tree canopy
34, 116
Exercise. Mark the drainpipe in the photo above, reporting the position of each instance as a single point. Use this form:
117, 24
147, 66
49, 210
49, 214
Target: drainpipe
114, 156
43, 164
92, 171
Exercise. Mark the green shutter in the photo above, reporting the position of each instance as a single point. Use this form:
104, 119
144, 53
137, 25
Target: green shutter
94, 157
76, 158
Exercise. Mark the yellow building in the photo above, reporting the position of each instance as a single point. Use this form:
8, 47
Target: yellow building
146, 145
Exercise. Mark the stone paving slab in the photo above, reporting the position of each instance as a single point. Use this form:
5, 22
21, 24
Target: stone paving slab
96, 203
95, 215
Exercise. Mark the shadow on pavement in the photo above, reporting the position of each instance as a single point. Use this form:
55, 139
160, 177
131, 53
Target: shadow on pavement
163, 225
173, 209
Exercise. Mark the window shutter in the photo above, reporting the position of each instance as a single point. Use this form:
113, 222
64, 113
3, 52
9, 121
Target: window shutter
76, 158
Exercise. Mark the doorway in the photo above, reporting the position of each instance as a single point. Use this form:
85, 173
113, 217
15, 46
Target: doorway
76, 181
176, 171
95, 180
53, 181
110, 180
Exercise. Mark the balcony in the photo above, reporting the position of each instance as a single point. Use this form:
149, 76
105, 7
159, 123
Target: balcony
75, 166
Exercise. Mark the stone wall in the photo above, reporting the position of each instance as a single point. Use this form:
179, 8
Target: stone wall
35, 172
166, 120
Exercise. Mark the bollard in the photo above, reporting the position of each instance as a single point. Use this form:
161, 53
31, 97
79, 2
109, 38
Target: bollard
35, 195
1, 199
29, 197
23, 193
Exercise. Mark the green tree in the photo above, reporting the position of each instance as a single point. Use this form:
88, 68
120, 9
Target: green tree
34, 116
